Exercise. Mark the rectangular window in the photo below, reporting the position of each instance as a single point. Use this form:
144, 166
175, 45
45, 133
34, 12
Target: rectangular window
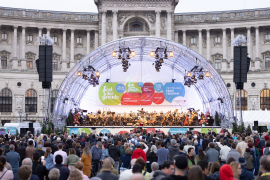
218, 64
267, 62
30, 104
4, 36
55, 65
29, 63
19, 63
79, 40
3, 62
55, 39
217, 39
267, 37
193, 40
29, 38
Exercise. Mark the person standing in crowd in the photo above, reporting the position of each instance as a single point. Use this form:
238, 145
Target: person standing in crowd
79, 166
245, 174
261, 144
114, 153
212, 154
38, 168
12, 141
191, 158
162, 154
54, 174
127, 158
75, 174
205, 142
205, 169
236, 168
105, 151
25, 172
64, 171
189, 145
60, 152
97, 155
195, 172
201, 156
71, 160
21, 151
167, 169
214, 171
138, 152
4, 173
226, 172
173, 149
234, 153
13, 158
249, 159
242, 145
29, 151
224, 151
264, 168
48, 156
87, 161
152, 157
106, 174
143, 164
154, 168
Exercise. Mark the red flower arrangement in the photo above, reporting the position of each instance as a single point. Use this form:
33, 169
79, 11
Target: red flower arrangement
76, 117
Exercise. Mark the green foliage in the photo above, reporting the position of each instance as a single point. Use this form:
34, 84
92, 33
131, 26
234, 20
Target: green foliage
50, 129
248, 129
235, 128
240, 128
17, 132
38, 133
44, 128
216, 119
70, 119
57, 131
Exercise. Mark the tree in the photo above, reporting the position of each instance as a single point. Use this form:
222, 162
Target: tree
235, 128
248, 129
216, 119
17, 132
57, 131
38, 133
241, 127
70, 119
44, 128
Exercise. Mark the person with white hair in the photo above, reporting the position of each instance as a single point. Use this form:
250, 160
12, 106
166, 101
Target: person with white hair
154, 168
125, 175
173, 149
152, 157
54, 174
27, 162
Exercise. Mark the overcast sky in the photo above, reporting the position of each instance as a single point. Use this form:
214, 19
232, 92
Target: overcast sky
183, 5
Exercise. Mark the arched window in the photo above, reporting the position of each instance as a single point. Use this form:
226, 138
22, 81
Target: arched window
243, 100
265, 99
31, 101
53, 98
6, 100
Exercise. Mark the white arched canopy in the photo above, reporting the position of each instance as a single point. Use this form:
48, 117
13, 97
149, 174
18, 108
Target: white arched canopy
212, 91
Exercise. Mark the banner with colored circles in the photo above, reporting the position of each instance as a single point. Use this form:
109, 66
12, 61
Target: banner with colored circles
139, 93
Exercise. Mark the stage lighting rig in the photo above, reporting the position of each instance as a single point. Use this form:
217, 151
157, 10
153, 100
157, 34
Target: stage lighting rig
124, 53
91, 75
195, 73
160, 54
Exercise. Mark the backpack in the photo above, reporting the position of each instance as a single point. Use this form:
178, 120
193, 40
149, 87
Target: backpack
256, 141
133, 142
252, 154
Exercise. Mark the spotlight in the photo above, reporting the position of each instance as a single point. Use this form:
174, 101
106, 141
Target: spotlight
157, 56
195, 80
119, 56
128, 57
153, 64
171, 54
207, 74
152, 53
161, 60
188, 74
166, 56
133, 53
107, 80
79, 73
98, 74
114, 54
129, 64
92, 76
173, 80
123, 61
125, 70
193, 77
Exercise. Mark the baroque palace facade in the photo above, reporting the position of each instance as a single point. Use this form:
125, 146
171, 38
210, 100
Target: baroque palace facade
77, 34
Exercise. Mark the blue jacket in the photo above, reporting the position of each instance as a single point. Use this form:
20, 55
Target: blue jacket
212, 155
96, 153
13, 158
49, 162
64, 171
246, 174
126, 160
105, 153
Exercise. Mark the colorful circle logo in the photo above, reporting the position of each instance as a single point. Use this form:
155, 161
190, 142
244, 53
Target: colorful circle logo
120, 88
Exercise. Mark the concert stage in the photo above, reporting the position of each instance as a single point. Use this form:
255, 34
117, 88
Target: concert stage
122, 129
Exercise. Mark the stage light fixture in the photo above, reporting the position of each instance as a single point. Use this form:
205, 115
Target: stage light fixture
119, 56
123, 61
114, 54
161, 60
207, 74
128, 57
152, 53
157, 56
171, 54
79, 73
153, 64
98, 74
188, 74
166, 56
129, 64
133, 53
173, 80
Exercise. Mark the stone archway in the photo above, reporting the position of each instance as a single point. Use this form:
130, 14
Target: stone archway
136, 27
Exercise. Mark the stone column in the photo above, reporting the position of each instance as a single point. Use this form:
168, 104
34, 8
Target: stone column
71, 61
200, 41
176, 36
231, 61
158, 23
48, 31
249, 46
64, 51
208, 54
23, 60
257, 59
96, 39
14, 51
169, 25
115, 24
88, 42
184, 38
103, 26
224, 45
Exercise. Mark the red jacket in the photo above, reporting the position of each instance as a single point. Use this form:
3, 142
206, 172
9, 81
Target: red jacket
226, 172
139, 153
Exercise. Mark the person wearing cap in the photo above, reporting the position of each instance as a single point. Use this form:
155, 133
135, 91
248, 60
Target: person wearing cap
138, 152
245, 174
226, 172
181, 166
97, 155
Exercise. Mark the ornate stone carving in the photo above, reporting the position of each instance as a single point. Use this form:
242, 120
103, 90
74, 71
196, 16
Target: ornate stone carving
30, 55
163, 23
78, 57
110, 23
56, 56
121, 19
19, 102
5, 53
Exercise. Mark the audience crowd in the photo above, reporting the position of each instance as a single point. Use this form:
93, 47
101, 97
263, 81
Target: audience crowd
136, 156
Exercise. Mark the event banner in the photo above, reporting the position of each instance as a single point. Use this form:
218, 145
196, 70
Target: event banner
138, 93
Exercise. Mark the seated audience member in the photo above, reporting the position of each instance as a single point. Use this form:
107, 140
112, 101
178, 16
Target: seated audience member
54, 174
107, 168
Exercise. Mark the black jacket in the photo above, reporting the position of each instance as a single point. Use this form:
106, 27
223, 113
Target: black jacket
173, 150
21, 151
207, 178
107, 175
39, 170
114, 152
152, 157
64, 171
78, 153
205, 144
6, 148
41, 152
174, 177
